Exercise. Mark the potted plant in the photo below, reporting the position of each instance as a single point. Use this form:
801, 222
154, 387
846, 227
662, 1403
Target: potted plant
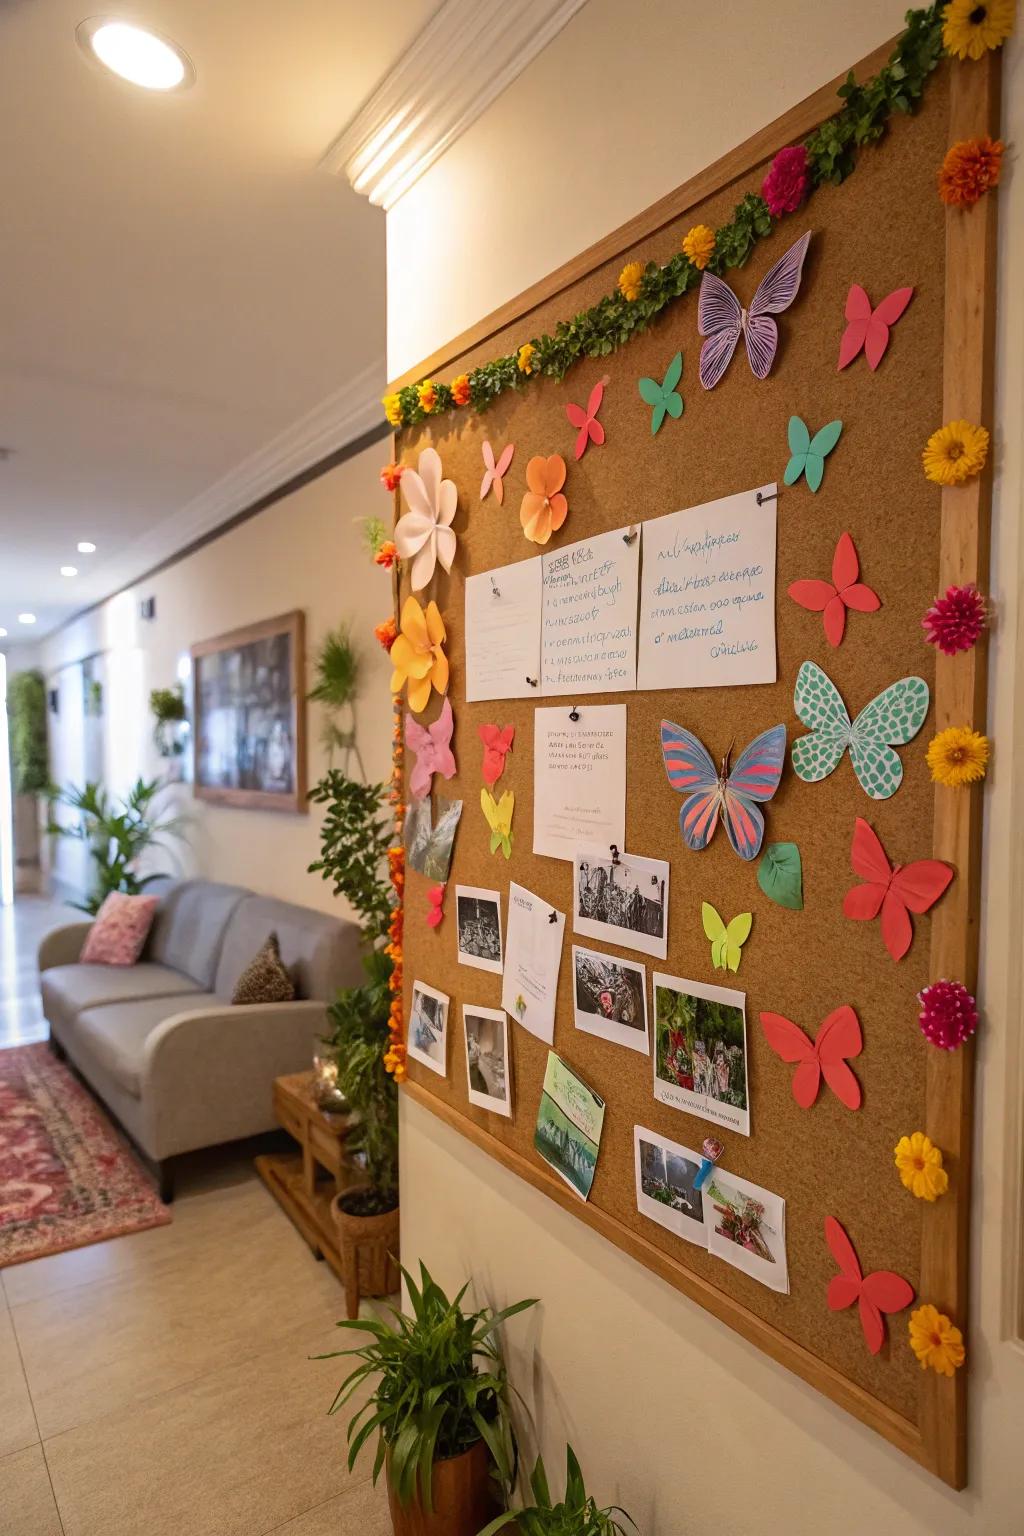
117, 834
576, 1515
167, 706
337, 679
439, 1410
30, 761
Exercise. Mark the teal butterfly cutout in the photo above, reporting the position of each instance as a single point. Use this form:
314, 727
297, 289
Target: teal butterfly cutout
890, 720
664, 398
809, 453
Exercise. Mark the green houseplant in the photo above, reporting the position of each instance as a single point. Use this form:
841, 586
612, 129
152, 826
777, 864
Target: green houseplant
26, 717
167, 706
439, 1409
337, 678
576, 1515
117, 834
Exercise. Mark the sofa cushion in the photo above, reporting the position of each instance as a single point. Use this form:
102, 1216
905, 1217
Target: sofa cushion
69, 989
320, 953
189, 926
115, 1036
264, 979
121, 928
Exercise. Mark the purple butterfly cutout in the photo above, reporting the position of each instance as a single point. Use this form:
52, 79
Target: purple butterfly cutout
721, 318
432, 745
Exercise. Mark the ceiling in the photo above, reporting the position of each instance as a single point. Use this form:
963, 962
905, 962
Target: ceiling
189, 306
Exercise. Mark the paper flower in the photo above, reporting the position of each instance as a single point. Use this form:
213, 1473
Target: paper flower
393, 409
631, 280
524, 358
920, 1167
427, 393
386, 633
970, 169
969, 31
954, 622
957, 756
435, 901
949, 1014
544, 508
418, 656
424, 534
785, 186
955, 453
935, 1341
391, 474
460, 389
832, 598
386, 555
699, 245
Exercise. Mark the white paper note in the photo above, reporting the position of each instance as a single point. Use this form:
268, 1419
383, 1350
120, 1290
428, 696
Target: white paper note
503, 632
533, 953
588, 626
707, 595
579, 779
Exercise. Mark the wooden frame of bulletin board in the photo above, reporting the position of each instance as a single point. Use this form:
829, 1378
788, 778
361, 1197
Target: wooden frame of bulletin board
883, 228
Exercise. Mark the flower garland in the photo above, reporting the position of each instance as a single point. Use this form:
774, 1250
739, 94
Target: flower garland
394, 1056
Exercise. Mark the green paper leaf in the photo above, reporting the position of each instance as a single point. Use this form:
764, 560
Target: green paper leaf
780, 875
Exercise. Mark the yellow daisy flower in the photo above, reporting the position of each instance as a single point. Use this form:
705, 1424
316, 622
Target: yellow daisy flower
955, 452
524, 361
393, 409
920, 1166
958, 756
631, 280
418, 656
935, 1341
970, 30
699, 245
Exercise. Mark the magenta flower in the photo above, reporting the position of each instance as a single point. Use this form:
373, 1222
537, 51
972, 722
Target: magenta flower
785, 186
949, 1014
954, 622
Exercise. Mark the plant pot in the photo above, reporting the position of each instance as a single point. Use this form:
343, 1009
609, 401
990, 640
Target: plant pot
369, 1247
464, 1496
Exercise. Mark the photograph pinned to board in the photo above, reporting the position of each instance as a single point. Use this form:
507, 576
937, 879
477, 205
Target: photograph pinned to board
427, 1042
700, 1051
503, 632
570, 1118
487, 1063
579, 778
428, 844
478, 921
588, 615
747, 1228
622, 899
666, 1189
610, 997
533, 955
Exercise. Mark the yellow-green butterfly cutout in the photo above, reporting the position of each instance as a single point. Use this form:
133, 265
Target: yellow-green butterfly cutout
499, 819
664, 398
727, 939
809, 453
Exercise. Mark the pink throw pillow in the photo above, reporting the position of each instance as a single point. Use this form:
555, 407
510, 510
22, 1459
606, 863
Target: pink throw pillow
119, 930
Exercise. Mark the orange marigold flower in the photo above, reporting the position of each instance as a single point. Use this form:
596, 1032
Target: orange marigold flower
390, 475
386, 633
386, 555
970, 169
427, 395
460, 389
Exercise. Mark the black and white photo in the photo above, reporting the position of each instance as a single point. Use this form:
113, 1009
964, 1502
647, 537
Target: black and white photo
622, 899
478, 920
487, 1064
666, 1190
610, 997
428, 1028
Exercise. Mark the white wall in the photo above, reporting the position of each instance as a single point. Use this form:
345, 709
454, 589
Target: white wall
694, 1430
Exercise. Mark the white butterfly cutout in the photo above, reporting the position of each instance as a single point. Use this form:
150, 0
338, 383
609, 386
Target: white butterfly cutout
722, 319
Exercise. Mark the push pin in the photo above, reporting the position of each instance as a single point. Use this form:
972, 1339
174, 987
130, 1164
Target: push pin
712, 1150
761, 498
613, 850
552, 917
495, 589
574, 714
532, 682
629, 536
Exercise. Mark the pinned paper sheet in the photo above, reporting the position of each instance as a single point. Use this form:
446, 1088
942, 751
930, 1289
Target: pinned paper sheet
876, 1293
838, 1039
707, 595
894, 893
588, 635
579, 779
890, 720
503, 632
570, 1118
533, 953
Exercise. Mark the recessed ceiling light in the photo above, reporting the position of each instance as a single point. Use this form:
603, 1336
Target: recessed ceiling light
136, 54
85, 548
26, 618
69, 570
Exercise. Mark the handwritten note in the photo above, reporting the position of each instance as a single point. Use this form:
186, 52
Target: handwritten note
503, 632
588, 634
533, 953
579, 779
707, 598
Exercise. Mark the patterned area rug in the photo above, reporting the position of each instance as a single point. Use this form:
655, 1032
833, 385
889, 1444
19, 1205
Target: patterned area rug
67, 1177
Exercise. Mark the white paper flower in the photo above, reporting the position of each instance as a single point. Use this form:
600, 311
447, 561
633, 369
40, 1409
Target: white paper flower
422, 534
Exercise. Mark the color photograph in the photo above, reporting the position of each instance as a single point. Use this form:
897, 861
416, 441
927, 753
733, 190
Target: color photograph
700, 1051
623, 901
665, 1177
487, 1063
610, 998
428, 844
478, 924
570, 1118
428, 1028
747, 1228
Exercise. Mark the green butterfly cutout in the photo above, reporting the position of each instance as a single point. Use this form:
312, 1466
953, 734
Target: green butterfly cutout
809, 453
780, 875
726, 940
890, 720
664, 397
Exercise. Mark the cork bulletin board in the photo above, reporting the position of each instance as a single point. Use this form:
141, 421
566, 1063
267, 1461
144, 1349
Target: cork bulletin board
884, 228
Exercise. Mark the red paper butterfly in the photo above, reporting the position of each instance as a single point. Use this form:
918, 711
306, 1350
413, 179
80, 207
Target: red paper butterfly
895, 892
834, 597
590, 429
493, 472
869, 328
435, 896
838, 1038
497, 743
881, 1291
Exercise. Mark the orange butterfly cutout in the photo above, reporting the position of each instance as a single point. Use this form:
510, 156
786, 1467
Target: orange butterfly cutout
881, 1291
838, 1038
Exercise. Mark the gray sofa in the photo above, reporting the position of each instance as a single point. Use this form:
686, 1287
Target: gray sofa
161, 1043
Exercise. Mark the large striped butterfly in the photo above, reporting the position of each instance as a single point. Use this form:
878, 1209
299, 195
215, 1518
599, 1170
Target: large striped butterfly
731, 793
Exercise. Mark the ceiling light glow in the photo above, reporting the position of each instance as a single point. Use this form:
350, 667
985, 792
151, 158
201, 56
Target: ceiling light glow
3, 634
138, 56
26, 618
86, 548
69, 570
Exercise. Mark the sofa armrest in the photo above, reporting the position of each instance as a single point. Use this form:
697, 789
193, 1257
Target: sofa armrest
64, 945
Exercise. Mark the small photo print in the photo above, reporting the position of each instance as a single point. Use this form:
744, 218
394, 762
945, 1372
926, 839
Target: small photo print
747, 1228
624, 902
487, 1064
478, 920
428, 844
428, 1028
665, 1176
700, 1051
569, 1123
610, 997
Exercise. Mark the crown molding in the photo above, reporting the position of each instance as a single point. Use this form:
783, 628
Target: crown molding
463, 59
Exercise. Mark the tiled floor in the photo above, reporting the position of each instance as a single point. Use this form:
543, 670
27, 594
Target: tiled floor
21, 928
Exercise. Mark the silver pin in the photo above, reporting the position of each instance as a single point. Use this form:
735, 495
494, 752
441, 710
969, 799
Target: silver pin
532, 682
613, 849
495, 589
552, 917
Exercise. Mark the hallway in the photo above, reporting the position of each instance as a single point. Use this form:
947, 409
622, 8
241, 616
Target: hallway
22, 926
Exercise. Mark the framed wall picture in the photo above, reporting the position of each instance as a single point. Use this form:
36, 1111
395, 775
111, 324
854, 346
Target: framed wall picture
250, 716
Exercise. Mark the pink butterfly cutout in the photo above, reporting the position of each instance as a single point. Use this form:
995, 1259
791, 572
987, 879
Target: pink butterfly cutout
497, 745
832, 598
893, 892
493, 472
432, 745
838, 1038
868, 328
881, 1291
435, 897
590, 429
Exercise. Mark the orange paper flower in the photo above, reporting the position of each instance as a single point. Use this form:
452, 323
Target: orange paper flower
970, 169
544, 508
386, 633
460, 389
386, 555
427, 396
418, 655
